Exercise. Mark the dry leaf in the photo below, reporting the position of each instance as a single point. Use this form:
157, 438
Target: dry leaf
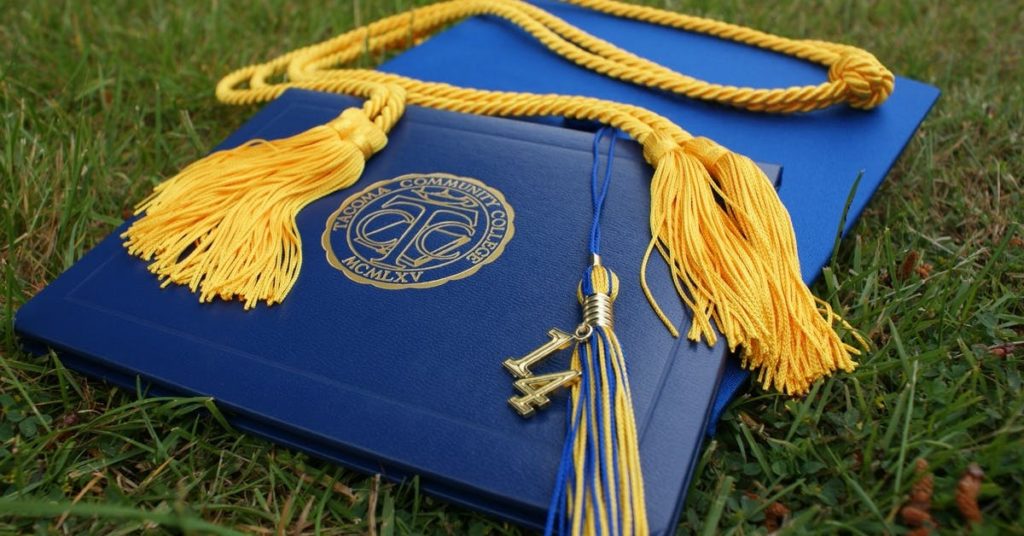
908, 264
858, 460
750, 422
774, 516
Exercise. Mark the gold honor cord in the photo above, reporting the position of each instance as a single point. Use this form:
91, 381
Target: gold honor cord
225, 225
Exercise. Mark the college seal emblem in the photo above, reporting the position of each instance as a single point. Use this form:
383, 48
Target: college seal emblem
418, 231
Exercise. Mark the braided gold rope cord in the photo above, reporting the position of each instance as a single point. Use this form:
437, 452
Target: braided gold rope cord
854, 75
718, 224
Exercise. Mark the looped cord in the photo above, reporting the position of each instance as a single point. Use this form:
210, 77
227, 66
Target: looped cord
599, 189
855, 75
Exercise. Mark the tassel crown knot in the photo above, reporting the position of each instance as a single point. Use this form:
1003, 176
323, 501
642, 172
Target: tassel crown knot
867, 82
356, 128
705, 150
655, 149
598, 280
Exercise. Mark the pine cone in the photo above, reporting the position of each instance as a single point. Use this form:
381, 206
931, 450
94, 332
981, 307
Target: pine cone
967, 493
916, 513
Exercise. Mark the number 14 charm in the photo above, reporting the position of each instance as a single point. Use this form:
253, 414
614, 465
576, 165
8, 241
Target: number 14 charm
535, 389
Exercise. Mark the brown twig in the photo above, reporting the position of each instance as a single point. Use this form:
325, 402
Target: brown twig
330, 482
95, 480
371, 508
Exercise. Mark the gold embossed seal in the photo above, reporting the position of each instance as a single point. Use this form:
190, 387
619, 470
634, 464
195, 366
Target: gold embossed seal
418, 231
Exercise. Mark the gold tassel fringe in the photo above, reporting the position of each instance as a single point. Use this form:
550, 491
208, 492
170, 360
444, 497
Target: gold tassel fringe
604, 423
225, 225
718, 223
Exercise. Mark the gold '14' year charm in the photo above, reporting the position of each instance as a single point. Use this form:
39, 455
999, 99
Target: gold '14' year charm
535, 390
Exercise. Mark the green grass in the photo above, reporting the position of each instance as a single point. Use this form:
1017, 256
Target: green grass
100, 100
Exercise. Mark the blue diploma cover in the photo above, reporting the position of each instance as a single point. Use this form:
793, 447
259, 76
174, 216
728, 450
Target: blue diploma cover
361, 366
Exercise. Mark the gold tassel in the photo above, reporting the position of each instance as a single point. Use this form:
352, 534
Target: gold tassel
225, 225
717, 221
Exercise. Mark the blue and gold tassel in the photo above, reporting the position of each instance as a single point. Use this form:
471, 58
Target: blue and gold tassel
599, 487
